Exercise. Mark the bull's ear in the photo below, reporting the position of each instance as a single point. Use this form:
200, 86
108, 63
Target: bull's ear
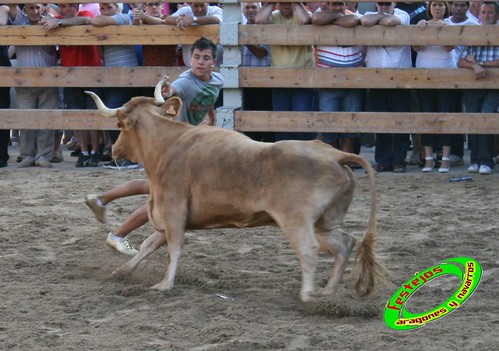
124, 121
171, 107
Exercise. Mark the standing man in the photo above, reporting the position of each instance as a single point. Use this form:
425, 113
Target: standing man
116, 56
479, 58
4, 92
335, 100
290, 99
459, 12
391, 149
36, 145
198, 13
75, 56
256, 99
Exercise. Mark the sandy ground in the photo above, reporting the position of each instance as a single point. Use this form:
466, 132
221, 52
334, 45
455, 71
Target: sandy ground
235, 289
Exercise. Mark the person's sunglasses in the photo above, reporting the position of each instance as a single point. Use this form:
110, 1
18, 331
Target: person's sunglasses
384, 3
158, 4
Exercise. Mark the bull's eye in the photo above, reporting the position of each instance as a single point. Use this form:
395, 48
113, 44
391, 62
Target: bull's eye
120, 125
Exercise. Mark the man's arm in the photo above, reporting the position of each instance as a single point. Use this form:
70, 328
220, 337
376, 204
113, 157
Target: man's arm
304, 17
4, 15
322, 18
140, 17
472, 64
102, 21
258, 50
264, 15
381, 19
49, 23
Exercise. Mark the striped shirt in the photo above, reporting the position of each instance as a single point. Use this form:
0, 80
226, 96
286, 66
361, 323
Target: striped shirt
338, 56
120, 55
31, 55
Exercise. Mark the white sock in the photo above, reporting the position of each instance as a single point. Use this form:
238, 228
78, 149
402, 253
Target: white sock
115, 237
99, 202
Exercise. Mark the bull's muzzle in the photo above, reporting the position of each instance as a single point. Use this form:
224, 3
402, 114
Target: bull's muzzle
107, 112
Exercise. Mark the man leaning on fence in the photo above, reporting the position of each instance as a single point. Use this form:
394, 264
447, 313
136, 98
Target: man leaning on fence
36, 145
479, 59
391, 149
339, 56
75, 97
297, 56
197, 13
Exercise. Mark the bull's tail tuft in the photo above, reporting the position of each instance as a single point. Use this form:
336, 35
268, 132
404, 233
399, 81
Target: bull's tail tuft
372, 271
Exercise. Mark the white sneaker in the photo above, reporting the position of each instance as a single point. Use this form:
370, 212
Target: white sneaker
122, 245
485, 169
474, 168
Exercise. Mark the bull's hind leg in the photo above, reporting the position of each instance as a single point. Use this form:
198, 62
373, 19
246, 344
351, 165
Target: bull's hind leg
149, 245
302, 240
340, 245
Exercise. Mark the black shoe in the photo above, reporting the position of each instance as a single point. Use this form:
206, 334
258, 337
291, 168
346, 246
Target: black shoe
94, 160
75, 153
121, 164
82, 161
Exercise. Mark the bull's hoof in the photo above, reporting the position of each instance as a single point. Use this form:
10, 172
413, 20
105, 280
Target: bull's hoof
326, 291
162, 287
120, 272
307, 297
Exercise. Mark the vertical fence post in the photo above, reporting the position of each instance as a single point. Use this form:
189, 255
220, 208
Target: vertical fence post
229, 38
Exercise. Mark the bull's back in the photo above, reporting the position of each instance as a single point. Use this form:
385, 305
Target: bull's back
232, 180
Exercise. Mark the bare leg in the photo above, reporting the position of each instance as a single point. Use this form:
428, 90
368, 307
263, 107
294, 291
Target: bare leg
130, 188
82, 136
94, 140
428, 152
136, 220
445, 157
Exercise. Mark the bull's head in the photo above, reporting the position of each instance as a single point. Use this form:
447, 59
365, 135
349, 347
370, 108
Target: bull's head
133, 113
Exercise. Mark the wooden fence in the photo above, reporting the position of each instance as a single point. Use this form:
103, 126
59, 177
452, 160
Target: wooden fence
231, 34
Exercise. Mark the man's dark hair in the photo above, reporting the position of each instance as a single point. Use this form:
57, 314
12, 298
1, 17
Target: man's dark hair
204, 43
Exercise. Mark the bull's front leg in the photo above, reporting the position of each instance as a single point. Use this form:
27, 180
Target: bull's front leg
154, 241
175, 239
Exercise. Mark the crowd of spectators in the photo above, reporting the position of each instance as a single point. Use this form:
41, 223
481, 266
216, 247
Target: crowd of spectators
41, 147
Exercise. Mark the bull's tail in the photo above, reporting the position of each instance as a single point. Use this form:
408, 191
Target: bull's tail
371, 270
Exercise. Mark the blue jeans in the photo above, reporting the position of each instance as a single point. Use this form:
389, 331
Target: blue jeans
293, 99
337, 100
391, 149
481, 145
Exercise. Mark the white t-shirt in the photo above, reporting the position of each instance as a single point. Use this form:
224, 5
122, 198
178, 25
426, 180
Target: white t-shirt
390, 56
469, 22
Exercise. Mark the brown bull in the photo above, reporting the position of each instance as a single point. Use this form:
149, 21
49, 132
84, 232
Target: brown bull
205, 177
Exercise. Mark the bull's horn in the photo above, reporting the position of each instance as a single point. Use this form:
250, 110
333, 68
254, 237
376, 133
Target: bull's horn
158, 96
107, 112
